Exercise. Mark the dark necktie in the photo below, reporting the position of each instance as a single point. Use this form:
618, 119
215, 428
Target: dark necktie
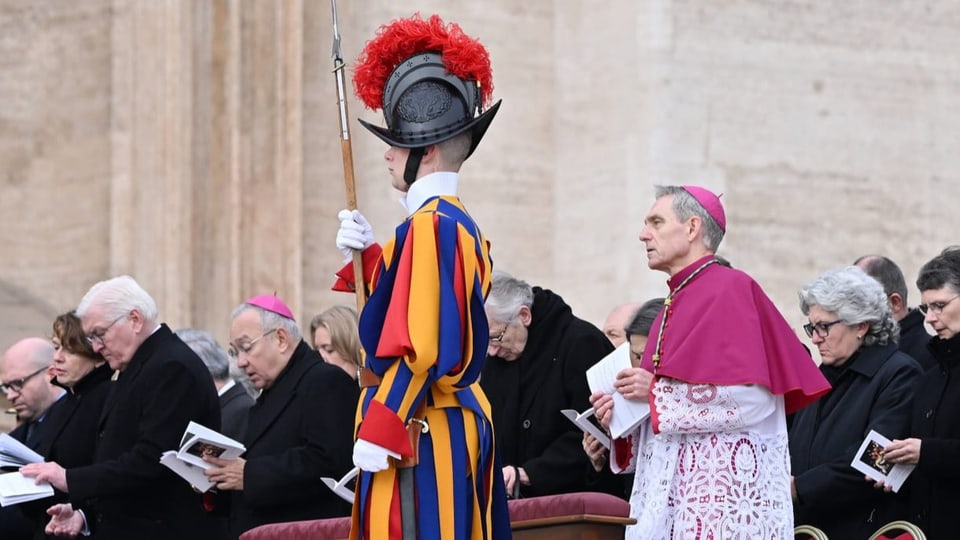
32, 439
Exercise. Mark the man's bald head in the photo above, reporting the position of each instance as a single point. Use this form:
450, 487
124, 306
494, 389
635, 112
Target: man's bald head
24, 378
34, 352
618, 319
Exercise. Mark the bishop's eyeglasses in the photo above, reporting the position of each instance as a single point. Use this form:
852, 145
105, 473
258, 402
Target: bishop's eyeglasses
245, 348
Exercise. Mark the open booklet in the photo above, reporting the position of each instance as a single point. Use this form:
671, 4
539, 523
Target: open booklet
627, 413
14, 453
341, 487
199, 441
14, 487
582, 420
870, 461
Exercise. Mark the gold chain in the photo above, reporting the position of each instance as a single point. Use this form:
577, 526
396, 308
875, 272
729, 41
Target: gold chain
666, 312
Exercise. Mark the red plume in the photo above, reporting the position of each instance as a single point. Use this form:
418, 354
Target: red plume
462, 55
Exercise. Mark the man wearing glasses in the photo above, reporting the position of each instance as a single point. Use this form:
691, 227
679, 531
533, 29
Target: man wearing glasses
162, 385
24, 383
724, 370
300, 430
538, 353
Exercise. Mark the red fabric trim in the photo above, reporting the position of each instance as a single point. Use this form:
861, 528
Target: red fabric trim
396, 521
460, 289
345, 279
624, 451
382, 427
395, 335
654, 415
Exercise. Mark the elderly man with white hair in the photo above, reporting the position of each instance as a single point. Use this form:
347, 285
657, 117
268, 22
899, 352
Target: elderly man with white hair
162, 386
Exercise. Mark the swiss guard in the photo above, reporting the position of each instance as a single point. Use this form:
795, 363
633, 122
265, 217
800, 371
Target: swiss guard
425, 441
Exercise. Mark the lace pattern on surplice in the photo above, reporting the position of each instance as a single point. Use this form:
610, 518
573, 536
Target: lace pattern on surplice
717, 469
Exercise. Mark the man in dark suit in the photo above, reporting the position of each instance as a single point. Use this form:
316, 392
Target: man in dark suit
235, 402
24, 382
161, 387
300, 430
913, 333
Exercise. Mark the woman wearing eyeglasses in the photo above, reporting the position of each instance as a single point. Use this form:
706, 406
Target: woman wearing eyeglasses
934, 442
71, 434
852, 327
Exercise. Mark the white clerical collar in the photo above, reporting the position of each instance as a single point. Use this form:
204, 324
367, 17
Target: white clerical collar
223, 389
431, 185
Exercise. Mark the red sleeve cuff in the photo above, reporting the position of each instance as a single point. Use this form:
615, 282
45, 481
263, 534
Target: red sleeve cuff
624, 451
654, 415
345, 279
382, 426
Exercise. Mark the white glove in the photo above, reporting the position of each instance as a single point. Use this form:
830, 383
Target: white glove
355, 233
371, 457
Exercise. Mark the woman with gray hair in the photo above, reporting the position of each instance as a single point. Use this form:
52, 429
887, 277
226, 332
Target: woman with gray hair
851, 325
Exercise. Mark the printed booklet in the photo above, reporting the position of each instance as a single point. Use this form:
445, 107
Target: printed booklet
199, 441
627, 413
582, 420
870, 461
14, 487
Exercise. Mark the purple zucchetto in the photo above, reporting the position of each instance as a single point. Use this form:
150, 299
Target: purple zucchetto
271, 303
710, 203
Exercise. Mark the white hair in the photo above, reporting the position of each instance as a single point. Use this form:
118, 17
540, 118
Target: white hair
507, 295
119, 296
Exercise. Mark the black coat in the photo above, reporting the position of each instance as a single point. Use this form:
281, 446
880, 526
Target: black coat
70, 435
527, 394
300, 430
235, 404
932, 489
19, 522
914, 339
873, 390
126, 492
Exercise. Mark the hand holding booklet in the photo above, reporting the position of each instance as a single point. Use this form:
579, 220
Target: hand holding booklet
870, 461
14, 487
582, 420
199, 441
627, 413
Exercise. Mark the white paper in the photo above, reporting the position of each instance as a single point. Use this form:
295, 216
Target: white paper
199, 441
627, 413
14, 453
869, 460
191, 473
16, 488
582, 420
339, 487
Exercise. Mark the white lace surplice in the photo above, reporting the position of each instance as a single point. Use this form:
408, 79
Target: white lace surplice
718, 469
